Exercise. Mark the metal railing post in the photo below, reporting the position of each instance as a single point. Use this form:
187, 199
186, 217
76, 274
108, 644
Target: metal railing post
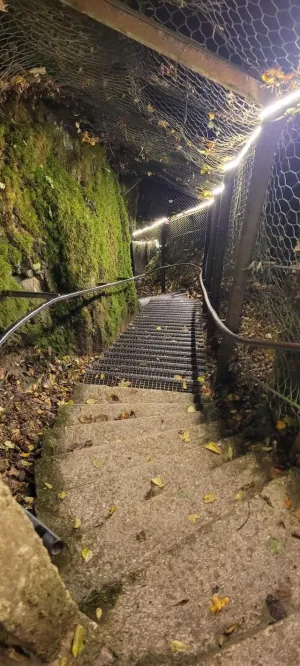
163, 257
258, 184
224, 216
213, 226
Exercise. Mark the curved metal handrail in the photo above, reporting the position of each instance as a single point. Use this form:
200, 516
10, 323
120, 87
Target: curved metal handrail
249, 342
81, 292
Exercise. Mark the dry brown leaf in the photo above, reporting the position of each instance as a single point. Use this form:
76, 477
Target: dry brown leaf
3, 7
114, 398
214, 448
217, 603
86, 418
185, 329
232, 627
288, 502
126, 415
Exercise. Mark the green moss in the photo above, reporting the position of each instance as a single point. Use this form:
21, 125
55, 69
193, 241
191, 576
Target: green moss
62, 205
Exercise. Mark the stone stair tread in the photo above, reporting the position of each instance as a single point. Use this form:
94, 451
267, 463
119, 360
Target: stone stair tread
103, 393
164, 518
170, 598
69, 437
276, 645
109, 412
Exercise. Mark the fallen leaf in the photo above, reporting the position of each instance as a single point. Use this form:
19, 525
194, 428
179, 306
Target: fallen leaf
191, 409
86, 418
193, 517
158, 328
78, 644
150, 108
201, 380
77, 523
157, 481
178, 377
149, 460
124, 383
112, 509
267, 448
218, 603
280, 425
288, 502
209, 498
99, 613
211, 115
275, 608
214, 448
275, 546
184, 385
230, 452
97, 463
87, 554
91, 401
48, 485
114, 397
290, 420
185, 329
2, 185
102, 376
232, 627
178, 646
62, 495
25, 463
184, 435
233, 396
9, 445
36, 71
126, 415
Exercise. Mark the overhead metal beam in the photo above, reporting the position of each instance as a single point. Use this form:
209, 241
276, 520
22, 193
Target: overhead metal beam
184, 51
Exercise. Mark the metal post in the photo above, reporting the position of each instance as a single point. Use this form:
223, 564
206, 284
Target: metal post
224, 216
163, 257
212, 242
207, 240
262, 165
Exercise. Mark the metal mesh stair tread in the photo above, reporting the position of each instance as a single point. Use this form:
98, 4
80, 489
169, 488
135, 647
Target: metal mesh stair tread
164, 340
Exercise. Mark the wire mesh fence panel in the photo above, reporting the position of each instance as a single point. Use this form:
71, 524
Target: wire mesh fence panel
272, 303
255, 35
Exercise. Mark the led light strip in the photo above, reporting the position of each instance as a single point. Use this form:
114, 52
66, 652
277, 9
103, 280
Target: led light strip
268, 112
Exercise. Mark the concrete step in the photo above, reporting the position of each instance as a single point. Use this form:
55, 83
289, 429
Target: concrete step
276, 645
148, 520
170, 598
80, 414
112, 395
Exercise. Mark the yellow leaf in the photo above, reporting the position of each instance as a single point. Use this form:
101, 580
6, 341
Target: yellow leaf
150, 108
97, 463
9, 445
201, 380
77, 644
124, 383
193, 517
62, 495
158, 328
102, 375
184, 385
218, 603
48, 485
185, 435
214, 448
77, 523
98, 613
87, 554
157, 481
163, 123
211, 115
230, 452
63, 661
239, 495
290, 420
178, 646
191, 409
149, 460
280, 425
91, 401
112, 509
209, 498
178, 377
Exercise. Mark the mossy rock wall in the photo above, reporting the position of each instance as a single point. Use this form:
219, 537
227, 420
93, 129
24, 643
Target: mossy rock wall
64, 221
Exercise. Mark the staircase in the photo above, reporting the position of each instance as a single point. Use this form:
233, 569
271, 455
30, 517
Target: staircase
175, 543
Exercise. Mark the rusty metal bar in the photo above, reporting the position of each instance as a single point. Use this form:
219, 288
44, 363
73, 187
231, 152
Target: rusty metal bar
262, 165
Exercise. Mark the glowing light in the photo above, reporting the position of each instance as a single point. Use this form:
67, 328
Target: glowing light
283, 102
157, 223
234, 163
196, 209
218, 190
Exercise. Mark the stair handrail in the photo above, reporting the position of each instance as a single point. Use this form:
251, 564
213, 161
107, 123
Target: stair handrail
240, 340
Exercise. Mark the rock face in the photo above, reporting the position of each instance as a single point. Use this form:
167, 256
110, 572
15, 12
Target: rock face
32, 284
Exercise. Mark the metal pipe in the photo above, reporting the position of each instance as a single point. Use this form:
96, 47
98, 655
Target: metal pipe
50, 540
